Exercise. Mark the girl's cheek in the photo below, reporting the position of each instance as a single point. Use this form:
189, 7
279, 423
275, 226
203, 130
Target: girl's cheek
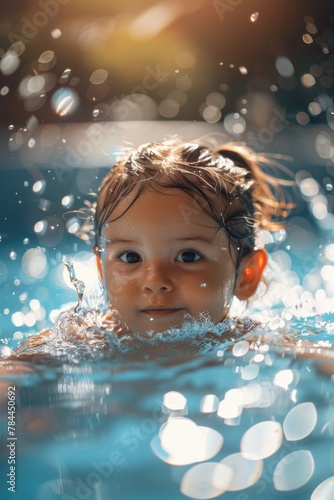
114, 284
120, 283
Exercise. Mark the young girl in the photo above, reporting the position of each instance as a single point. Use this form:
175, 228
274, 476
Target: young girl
175, 232
175, 227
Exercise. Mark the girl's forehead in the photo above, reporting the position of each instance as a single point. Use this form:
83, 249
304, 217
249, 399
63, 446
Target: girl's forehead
165, 204
159, 218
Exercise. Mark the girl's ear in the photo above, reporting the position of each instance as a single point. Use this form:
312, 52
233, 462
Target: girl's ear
249, 273
98, 263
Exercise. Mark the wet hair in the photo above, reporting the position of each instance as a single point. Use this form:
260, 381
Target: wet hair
253, 199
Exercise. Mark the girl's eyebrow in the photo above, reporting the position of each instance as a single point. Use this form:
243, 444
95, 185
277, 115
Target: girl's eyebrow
195, 238
112, 241
184, 238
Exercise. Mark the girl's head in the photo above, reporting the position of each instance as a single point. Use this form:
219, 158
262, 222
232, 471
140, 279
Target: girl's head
175, 231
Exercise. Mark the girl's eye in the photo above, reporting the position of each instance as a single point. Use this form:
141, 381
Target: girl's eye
190, 256
129, 257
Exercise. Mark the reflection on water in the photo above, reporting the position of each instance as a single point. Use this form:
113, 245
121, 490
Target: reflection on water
243, 414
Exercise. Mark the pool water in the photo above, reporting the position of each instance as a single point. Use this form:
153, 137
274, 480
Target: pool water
239, 412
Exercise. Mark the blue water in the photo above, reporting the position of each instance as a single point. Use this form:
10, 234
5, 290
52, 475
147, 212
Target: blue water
93, 426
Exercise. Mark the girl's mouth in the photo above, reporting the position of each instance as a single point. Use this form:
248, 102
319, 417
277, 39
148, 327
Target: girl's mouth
159, 312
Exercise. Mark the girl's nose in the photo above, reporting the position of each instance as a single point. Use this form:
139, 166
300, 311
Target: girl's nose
157, 277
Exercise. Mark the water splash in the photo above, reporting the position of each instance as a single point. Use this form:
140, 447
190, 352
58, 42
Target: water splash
78, 284
85, 330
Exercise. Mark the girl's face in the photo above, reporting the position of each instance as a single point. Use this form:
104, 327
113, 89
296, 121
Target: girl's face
165, 258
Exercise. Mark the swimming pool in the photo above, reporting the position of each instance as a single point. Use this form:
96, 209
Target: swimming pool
184, 415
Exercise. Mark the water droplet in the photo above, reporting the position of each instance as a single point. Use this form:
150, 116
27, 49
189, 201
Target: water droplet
13, 255
40, 227
211, 114
65, 101
47, 60
254, 17
284, 66
9, 63
67, 200
98, 76
261, 440
5, 351
293, 470
65, 76
240, 348
56, 33
206, 480
11, 127
245, 472
324, 490
31, 143
243, 70
300, 421
203, 285
25, 241
39, 186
